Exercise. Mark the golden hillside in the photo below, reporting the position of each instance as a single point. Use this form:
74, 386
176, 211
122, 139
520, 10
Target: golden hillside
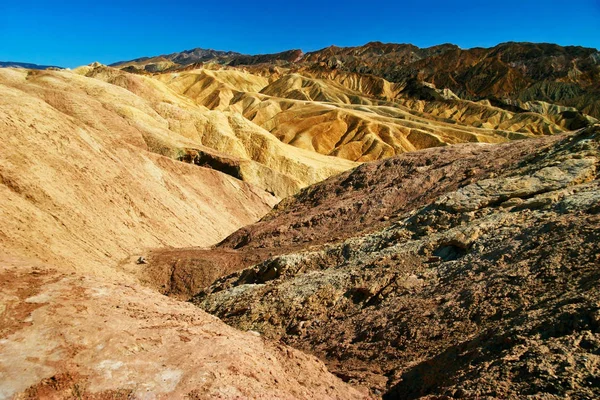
178, 125
358, 117
81, 184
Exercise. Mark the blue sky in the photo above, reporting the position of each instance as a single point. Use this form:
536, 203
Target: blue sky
71, 33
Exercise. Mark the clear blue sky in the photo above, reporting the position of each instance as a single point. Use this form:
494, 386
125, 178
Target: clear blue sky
71, 33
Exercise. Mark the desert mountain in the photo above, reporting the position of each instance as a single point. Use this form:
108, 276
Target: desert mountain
166, 61
420, 222
468, 72
566, 76
379, 100
196, 57
9, 64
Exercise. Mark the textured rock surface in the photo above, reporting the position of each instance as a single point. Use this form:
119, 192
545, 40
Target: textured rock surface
65, 336
488, 288
527, 71
358, 201
361, 118
371, 102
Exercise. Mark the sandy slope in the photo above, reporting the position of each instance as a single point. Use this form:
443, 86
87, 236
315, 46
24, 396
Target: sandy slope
80, 188
263, 160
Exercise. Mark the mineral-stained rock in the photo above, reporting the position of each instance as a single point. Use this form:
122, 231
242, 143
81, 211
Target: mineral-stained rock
353, 202
463, 295
379, 100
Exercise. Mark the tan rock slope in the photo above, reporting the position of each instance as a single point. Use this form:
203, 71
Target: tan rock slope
91, 176
81, 186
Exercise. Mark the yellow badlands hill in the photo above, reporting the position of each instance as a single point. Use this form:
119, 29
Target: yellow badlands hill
82, 186
259, 157
97, 166
91, 168
356, 117
89, 180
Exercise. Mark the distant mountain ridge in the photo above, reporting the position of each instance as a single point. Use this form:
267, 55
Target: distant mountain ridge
564, 75
186, 57
13, 64
199, 56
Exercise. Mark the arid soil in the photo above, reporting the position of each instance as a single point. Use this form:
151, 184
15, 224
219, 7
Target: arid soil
483, 287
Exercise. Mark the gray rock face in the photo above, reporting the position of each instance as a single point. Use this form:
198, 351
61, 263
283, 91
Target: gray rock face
524, 186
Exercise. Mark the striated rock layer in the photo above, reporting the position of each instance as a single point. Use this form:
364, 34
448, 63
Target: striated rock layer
566, 76
343, 115
187, 130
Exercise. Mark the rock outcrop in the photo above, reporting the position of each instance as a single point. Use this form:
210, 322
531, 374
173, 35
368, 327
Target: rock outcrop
479, 282
565, 75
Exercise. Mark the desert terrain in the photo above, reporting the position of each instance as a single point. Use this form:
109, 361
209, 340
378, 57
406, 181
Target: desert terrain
382, 221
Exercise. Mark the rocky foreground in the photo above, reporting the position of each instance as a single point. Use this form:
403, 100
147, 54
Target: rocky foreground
470, 271
74, 336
